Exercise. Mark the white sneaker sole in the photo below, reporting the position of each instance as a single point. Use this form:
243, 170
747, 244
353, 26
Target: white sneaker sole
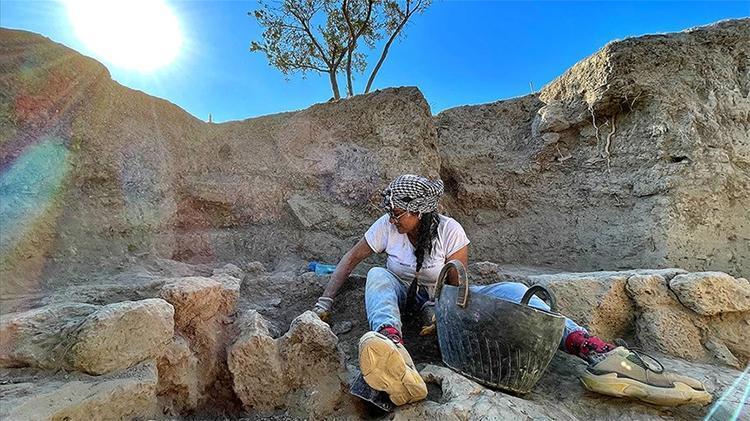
612, 385
385, 369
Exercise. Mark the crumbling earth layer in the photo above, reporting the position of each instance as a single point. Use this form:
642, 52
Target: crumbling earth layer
638, 156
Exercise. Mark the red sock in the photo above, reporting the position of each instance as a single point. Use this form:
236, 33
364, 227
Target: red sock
391, 333
581, 344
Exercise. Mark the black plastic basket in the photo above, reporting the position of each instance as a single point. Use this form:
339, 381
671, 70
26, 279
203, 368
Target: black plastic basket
498, 343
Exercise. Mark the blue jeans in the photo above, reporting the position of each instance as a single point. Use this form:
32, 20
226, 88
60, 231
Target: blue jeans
385, 295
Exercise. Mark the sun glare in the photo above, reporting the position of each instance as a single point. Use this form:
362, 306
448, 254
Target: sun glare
142, 35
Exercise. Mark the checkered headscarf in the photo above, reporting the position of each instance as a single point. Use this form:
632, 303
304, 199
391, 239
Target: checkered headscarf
413, 193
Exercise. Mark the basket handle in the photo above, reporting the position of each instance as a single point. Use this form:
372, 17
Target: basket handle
541, 292
463, 281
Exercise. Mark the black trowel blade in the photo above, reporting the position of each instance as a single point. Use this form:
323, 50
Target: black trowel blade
362, 390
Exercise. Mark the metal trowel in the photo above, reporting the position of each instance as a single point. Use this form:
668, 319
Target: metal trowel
362, 390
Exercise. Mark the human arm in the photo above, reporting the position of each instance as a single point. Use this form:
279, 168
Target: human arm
428, 313
351, 259
462, 255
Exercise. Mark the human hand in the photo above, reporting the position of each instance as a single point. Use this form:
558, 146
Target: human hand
323, 308
429, 321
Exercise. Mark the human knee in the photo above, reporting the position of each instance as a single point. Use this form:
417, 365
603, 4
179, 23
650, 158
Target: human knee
516, 288
507, 290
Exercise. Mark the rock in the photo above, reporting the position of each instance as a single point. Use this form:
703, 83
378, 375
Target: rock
229, 269
195, 299
320, 214
710, 293
120, 335
132, 288
230, 291
85, 337
301, 371
255, 268
204, 308
307, 214
169, 268
733, 330
662, 323
342, 327
596, 301
311, 339
178, 377
256, 366
461, 398
672, 331
721, 352
649, 291
130, 394
552, 118
41, 337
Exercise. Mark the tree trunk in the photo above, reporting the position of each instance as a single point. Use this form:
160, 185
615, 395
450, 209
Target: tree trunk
334, 84
349, 85
407, 15
382, 56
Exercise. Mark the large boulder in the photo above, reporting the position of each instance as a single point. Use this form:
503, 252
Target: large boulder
711, 293
130, 394
88, 338
178, 377
662, 323
318, 387
666, 323
204, 311
302, 371
256, 366
120, 335
195, 300
41, 337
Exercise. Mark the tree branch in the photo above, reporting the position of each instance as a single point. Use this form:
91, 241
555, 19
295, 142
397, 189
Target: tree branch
306, 28
401, 25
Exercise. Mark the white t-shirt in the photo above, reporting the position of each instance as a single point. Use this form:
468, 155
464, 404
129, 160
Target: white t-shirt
383, 236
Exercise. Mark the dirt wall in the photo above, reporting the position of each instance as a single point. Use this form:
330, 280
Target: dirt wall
638, 156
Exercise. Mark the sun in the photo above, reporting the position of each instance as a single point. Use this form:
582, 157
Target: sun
141, 35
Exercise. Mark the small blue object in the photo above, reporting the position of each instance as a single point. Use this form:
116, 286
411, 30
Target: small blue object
321, 268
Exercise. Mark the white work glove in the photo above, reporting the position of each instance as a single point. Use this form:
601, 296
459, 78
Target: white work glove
323, 308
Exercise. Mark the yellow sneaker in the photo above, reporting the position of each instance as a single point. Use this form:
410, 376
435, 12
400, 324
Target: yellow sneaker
623, 373
388, 367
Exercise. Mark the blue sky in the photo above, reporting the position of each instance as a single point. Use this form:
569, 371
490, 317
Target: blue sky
457, 52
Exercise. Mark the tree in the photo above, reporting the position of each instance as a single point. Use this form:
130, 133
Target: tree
320, 35
396, 17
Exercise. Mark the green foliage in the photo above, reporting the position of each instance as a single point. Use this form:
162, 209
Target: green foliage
322, 35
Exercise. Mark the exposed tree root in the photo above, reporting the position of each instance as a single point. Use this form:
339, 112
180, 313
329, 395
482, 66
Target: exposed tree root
606, 152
